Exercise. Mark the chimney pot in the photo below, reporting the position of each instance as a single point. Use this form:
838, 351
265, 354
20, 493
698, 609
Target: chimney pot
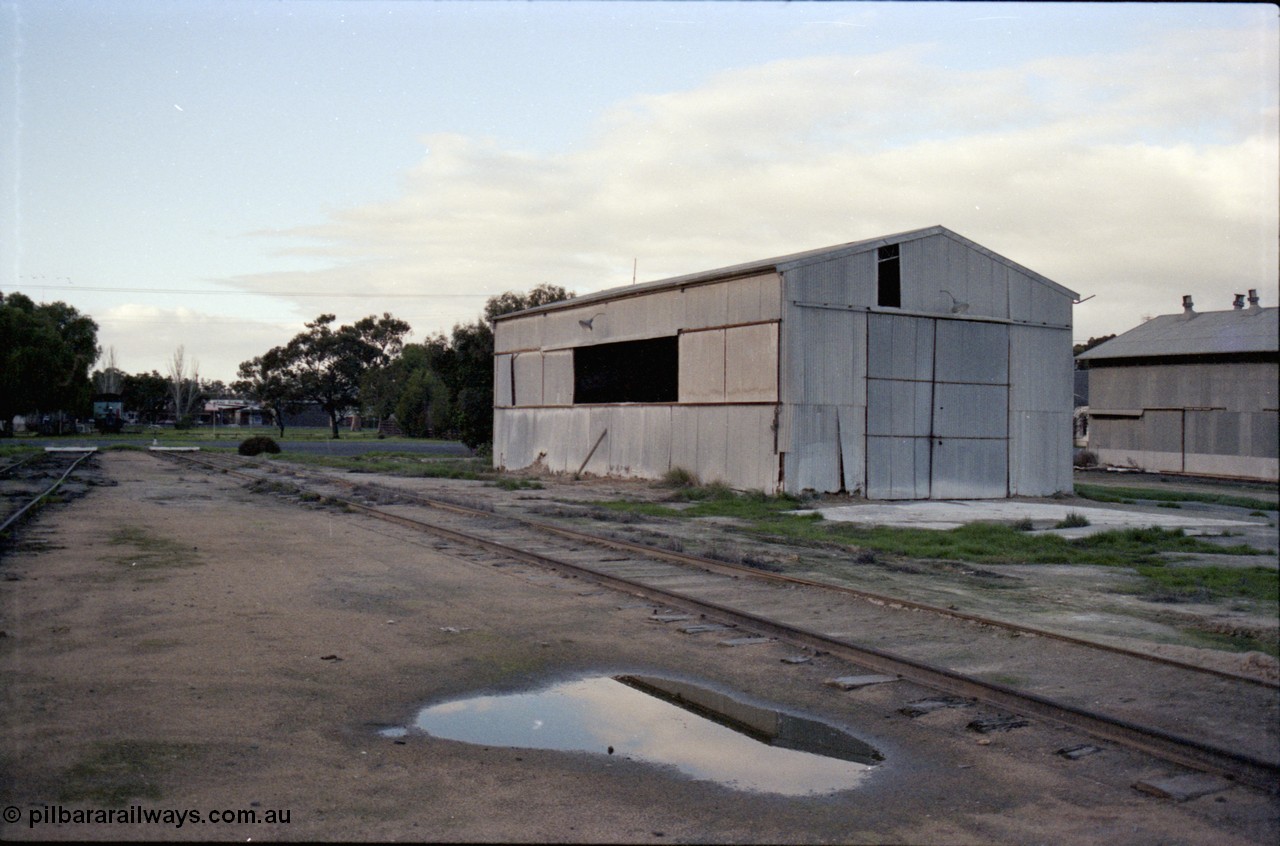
1238, 303
1254, 302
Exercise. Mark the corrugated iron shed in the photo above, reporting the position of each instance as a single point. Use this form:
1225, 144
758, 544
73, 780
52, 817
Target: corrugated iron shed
914, 365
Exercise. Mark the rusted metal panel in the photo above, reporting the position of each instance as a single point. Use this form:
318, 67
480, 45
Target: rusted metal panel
702, 366
750, 363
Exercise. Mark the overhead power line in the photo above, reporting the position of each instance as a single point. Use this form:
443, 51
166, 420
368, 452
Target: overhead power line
124, 290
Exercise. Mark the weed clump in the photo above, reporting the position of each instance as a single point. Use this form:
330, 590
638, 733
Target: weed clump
1073, 520
679, 477
1086, 458
257, 445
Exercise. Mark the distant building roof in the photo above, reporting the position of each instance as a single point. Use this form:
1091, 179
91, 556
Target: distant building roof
1239, 330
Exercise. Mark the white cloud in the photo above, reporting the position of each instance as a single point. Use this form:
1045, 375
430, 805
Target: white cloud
1136, 177
143, 335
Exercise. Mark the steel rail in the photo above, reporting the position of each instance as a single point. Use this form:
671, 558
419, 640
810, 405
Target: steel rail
1242, 767
5, 470
24, 509
729, 568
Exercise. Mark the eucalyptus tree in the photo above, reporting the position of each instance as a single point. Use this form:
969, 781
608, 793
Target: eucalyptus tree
46, 352
327, 364
267, 379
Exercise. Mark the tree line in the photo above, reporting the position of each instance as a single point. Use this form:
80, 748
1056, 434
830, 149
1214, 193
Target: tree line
441, 387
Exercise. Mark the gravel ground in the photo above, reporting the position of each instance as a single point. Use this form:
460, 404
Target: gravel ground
173, 642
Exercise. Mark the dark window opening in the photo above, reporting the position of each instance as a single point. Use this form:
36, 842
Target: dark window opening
627, 371
889, 277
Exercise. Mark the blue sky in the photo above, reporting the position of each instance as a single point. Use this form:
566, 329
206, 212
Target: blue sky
213, 175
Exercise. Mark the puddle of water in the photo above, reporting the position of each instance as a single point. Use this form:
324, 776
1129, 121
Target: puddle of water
704, 734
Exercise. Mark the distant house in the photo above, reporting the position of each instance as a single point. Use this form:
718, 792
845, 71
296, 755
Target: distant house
234, 412
912, 366
1192, 393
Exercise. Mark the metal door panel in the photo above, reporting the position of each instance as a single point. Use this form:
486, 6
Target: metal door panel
970, 411
972, 352
897, 468
969, 468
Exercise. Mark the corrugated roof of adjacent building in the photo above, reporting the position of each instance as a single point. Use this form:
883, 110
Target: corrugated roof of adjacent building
784, 263
1243, 330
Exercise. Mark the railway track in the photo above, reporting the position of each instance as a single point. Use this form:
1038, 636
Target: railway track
1208, 721
26, 483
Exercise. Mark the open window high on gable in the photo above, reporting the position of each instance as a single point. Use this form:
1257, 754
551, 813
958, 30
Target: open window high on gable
888, 277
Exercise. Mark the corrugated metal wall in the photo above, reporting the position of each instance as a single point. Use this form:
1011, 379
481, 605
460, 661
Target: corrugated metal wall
1040, 410
871, 406
1213, 419
724, 426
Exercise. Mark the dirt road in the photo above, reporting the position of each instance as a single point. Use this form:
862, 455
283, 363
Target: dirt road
173, 643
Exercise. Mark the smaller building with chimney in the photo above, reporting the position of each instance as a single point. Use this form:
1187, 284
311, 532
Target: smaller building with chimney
1192, 393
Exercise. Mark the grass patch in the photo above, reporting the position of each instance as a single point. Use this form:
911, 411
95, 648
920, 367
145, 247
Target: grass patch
979, 543
715, 500
149, 551
1243, 642
1107, 493
401, 464
518, 485
118, 772
1191, 584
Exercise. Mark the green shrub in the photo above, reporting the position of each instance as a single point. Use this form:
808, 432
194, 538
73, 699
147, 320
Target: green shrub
257, 445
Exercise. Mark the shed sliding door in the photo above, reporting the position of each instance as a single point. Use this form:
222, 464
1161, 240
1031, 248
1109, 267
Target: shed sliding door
937, 408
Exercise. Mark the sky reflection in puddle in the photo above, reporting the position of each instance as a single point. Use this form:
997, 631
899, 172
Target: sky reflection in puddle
661, 721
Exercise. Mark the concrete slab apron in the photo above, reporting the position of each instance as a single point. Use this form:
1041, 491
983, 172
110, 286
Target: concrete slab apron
948, 514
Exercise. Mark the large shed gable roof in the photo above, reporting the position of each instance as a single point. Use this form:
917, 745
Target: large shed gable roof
782, 264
